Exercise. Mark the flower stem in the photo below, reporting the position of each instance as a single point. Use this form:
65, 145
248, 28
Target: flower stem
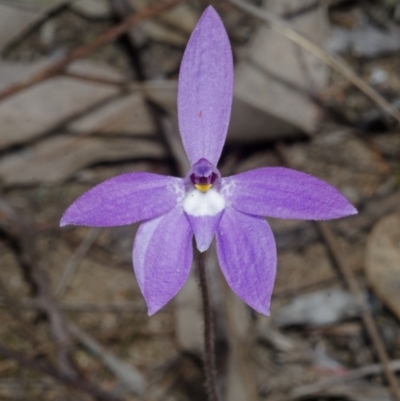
209, 355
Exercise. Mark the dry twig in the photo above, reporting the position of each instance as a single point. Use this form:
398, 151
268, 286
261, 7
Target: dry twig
103, 307
22, 236
333, 61
355, 374
48, 12
83, 51
351, 281
73, 263
19, 231
66, 379
129, 376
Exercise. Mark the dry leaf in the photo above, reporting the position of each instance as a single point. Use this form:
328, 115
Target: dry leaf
182, 17
278, 76
343, 160
12, 72
12, 20
126, 115
382, 261
58, 158
247, 123
41, 108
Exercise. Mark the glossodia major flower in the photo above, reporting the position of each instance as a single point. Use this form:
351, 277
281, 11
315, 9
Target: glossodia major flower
203, 203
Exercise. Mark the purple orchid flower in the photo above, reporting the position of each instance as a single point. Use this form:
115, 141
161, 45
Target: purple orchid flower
204, 204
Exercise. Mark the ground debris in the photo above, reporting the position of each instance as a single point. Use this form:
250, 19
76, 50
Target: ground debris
115, 112
318, 309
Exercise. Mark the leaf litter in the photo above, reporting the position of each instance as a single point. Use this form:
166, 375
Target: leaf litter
63, 136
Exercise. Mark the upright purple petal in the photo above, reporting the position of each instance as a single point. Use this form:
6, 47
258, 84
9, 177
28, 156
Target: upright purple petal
205, 89
125, 199
162, 257
247, 256
285, 193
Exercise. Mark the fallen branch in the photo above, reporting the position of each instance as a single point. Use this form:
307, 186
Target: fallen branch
351, 282
73, 263
279, 25
21, 235
83, 51
130, 377
113, 307
65, 379
355, 374
48, 12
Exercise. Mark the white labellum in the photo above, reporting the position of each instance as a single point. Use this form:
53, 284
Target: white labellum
208, 203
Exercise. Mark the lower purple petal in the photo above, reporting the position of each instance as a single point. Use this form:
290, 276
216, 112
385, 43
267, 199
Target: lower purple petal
162, 257
125, 199
285, 193
204, 228
247, 256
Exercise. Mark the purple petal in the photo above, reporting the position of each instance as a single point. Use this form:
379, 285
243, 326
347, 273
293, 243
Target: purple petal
205, 89
204, 228
162, 257
247, 256
125, 199
285, 193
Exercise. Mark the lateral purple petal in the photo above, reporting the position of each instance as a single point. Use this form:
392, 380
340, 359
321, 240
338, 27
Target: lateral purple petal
285, 193
162, 257
247, 256
125, 199
204, 228
205, 89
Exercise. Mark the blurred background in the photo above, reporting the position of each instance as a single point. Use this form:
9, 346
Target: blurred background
317, 88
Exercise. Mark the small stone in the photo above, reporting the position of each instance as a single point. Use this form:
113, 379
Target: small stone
92, 8
378, 76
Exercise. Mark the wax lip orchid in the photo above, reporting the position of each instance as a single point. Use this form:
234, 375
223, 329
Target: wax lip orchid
203, 203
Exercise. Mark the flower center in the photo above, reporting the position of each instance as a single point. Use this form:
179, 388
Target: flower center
203, 176
203, 183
